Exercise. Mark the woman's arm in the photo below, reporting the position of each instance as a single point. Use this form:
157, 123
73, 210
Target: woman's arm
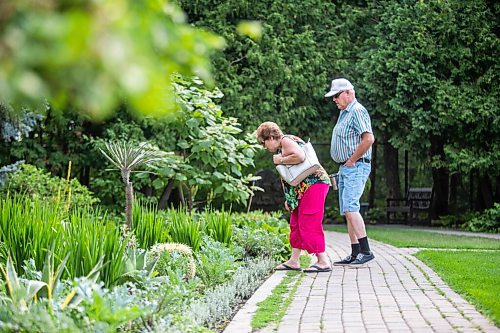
291, 153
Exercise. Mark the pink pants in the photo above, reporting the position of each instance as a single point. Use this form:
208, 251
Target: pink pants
306, 221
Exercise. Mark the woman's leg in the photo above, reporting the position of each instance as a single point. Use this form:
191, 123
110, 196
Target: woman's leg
310, 214
295, 242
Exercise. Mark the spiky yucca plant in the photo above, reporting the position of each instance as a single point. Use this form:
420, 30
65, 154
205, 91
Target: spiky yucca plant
128, 157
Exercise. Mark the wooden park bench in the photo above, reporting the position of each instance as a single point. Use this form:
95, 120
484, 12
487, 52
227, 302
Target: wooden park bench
418, 201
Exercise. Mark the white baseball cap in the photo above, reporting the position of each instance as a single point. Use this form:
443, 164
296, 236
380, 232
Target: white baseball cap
339, 85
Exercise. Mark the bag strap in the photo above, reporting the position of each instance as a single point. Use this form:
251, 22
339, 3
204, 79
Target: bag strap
291, 138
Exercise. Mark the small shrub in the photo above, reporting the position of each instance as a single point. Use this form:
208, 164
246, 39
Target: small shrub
173, 257
261, 243
489, 221
216, 263
37, 183
375, 215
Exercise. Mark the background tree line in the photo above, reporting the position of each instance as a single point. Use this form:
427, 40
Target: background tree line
426, 71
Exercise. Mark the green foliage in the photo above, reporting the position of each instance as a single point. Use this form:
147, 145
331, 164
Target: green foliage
172, 264
21, 293
107, 316
51, 274
37, 183
262, 234
127, 157
432, 88
162, 302
98, 310
213, 151
137, 265
208, 154
39, 318
92, 54
283, 75
488, 221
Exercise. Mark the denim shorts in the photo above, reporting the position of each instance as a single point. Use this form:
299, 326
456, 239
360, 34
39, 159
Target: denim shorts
351, 185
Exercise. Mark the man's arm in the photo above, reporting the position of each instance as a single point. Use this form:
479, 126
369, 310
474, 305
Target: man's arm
367, 140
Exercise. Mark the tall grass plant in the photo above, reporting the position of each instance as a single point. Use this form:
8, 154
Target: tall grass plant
149, 225
185, 227
29, 227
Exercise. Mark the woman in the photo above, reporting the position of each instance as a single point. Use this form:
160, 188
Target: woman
305, 202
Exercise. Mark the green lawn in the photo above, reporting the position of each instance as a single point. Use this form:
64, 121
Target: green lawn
401, 237
474, 275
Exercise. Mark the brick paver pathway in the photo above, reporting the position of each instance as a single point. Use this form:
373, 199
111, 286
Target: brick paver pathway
396, 293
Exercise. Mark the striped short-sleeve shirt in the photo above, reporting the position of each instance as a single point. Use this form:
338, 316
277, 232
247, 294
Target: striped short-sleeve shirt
353, 121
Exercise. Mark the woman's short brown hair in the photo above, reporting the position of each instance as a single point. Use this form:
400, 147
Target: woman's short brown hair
268, 130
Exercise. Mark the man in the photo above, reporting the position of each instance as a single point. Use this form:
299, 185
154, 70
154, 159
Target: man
352, 139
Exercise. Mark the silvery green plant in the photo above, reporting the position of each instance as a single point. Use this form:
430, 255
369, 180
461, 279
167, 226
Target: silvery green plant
219, 303
127, 158
20, 291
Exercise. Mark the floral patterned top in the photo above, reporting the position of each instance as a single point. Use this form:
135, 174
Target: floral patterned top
294, 193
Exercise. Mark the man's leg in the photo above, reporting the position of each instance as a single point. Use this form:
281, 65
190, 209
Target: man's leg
354, 179
350, 228
356, 226
358, 229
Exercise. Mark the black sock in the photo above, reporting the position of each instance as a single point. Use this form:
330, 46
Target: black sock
354, 250
363, 243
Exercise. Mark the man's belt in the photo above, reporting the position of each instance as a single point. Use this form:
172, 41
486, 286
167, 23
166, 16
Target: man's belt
362, 159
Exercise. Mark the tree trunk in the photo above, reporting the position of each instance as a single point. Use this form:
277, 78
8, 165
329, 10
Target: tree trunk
85, 175
371, 194
147, 191
166, 194
497, 189
391, 163
189, 199
452, 199
485, 192
440, 177
129, 201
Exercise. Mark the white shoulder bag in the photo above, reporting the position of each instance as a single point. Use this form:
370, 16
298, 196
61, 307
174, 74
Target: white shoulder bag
293, 174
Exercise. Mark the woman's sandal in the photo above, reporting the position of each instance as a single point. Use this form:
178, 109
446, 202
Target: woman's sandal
285, 267
317, 269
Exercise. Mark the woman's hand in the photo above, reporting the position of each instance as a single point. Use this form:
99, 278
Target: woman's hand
287, 207
278, 159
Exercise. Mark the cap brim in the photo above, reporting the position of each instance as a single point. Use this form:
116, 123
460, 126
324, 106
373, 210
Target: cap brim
331, 93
